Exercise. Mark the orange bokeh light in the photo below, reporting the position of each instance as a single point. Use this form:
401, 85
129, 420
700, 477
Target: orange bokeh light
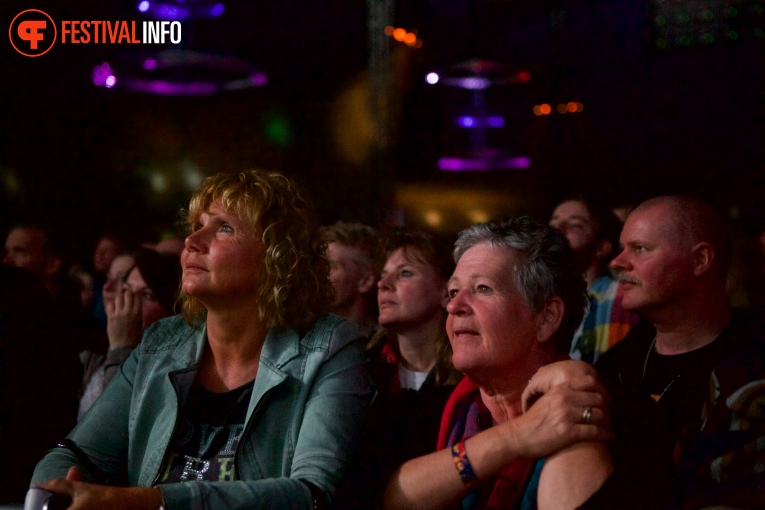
537, 110
410, 39
545, 109
571, 107
418, 44
561, 108
579, 107
389, 30
399, 34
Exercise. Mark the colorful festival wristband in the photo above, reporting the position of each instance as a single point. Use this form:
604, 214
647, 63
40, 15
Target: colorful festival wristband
462, 463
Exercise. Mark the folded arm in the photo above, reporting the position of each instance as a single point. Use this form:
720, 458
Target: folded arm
552, 424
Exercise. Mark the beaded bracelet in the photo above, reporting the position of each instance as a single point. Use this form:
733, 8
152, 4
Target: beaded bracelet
462, 463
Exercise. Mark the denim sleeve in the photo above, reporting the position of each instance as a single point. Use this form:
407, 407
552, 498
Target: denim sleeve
99, 442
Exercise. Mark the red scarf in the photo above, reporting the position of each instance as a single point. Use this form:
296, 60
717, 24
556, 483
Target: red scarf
462, 419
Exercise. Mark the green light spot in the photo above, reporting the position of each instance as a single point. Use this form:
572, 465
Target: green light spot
732, 35
708, 14
661, 21
707, 38
277, 128
685, 40
661, 44
732, 12
759, 32
684, 17
758, 8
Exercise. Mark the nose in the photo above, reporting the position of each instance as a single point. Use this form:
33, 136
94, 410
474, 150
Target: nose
385, 282
558, 224
458, 304
620, 262
196, 241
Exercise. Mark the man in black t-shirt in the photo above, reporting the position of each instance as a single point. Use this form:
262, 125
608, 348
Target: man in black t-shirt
673, 268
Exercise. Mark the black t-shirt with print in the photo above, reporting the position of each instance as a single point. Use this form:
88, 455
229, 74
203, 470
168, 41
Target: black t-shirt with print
206, 436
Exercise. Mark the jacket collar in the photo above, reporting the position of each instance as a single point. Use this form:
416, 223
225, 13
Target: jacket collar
279, 348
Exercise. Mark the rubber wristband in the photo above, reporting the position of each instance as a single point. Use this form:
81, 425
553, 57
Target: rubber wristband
462, 463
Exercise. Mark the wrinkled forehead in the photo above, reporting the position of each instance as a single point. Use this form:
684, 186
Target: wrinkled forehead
488, 259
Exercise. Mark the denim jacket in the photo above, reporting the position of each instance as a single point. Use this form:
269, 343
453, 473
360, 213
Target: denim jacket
303, 423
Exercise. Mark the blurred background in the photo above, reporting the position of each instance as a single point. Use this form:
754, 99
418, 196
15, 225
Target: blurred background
419, 113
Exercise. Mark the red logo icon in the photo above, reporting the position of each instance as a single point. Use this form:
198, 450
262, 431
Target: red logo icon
32, 33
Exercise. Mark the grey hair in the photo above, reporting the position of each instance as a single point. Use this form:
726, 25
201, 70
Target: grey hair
545, 267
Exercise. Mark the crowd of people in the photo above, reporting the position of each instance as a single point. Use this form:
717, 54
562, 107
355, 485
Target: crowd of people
573, 361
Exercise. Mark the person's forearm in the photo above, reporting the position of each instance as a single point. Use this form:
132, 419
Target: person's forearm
143, 498
571, 476
432, 481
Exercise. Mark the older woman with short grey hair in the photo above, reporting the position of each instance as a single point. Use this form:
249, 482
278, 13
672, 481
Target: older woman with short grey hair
516, 300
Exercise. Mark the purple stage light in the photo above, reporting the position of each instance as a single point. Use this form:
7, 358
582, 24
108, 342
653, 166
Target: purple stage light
466, 121
216, 10
480, 164
474, 83
101, 74
176, 10
495, 121
258, 79
479, 120
182, 73
477, 74
170, 12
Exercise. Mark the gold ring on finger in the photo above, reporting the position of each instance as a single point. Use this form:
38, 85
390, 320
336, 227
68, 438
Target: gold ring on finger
587, 415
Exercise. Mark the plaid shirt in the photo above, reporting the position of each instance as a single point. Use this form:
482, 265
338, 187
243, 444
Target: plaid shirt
605, 322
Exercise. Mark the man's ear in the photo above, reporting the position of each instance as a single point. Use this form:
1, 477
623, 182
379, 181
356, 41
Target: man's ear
367, 283
702, 256
549, 319
603, 249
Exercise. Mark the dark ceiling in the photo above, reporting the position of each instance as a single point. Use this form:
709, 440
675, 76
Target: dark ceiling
656, 119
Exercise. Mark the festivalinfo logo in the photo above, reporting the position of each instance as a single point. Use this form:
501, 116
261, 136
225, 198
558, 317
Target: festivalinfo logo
33, 32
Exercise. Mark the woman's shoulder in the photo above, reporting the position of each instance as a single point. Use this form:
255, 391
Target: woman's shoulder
332, 333
168, 333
